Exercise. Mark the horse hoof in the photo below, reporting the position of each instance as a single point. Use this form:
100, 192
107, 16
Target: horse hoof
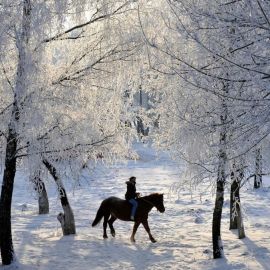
153, 240
113, 234
105, 236
132, 240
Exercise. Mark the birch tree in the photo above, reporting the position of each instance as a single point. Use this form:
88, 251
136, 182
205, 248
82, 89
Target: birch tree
213, 56
54, 78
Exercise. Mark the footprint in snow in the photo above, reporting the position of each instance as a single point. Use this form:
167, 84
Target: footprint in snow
199, 220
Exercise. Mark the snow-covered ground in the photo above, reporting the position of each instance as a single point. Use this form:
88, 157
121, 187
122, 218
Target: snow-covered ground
183, 231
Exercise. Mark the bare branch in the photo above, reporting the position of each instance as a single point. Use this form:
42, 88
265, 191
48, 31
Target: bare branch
263, 12
5, 109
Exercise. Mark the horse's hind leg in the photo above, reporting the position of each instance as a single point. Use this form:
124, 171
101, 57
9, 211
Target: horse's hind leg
105, 222
111, 221
146, 226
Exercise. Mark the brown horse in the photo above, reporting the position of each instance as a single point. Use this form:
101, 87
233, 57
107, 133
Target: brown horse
114, 208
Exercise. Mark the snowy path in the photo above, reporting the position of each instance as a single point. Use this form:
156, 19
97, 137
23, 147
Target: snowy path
183, 231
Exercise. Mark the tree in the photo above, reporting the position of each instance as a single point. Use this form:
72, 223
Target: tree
236, 220
213, 56
40, 117
67, 219
40, 189
7, 251
258, 169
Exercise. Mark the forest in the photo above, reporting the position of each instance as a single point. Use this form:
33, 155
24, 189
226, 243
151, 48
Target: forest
171, 92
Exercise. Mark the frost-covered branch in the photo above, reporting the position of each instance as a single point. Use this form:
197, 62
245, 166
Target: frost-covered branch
93, 19
86, 146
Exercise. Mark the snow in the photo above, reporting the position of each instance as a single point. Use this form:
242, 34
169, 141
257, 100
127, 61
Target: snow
183, 232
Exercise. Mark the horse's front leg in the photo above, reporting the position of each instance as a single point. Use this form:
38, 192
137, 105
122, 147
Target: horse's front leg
105, 222
146, 226
135, 227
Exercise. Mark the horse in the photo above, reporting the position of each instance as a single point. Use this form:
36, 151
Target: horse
114, 208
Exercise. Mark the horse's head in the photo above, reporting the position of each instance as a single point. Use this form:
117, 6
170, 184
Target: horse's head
157, 200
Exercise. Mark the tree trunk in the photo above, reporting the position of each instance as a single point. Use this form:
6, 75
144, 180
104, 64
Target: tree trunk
234, 193
39, 186
43, 201
67, 219
140, 127
239, 218
258, 169
6, 244
236, 220
221, 177
216, 224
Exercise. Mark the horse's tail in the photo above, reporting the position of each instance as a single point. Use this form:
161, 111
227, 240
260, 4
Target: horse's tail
100, 214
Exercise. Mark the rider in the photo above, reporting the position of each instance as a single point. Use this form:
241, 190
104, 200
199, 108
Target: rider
131, 195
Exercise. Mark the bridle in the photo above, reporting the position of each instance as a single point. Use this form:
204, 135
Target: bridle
149, 203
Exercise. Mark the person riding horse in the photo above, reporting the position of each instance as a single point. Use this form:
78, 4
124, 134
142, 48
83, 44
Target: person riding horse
114, 208
131, 195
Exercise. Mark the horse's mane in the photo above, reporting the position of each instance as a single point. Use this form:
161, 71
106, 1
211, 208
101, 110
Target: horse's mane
156, 194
